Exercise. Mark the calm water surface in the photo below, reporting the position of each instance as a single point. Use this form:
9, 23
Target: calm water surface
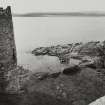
34, 32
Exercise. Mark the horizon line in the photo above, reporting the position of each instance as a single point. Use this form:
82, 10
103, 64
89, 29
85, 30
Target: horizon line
60, 14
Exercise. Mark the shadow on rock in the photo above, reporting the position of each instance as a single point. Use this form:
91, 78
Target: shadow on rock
72, 70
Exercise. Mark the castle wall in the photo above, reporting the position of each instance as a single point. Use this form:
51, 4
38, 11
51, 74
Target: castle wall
8, 57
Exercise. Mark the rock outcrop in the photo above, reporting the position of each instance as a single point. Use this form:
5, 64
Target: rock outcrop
53, 50
61, 51
67, 51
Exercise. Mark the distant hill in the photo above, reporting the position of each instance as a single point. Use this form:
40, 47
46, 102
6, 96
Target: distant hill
59, 14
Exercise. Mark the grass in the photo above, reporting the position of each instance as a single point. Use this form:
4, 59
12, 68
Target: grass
79, 89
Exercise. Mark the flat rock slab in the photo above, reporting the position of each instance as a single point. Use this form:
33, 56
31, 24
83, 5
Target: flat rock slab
100, 101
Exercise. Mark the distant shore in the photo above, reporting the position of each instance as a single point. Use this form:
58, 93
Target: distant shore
61, 14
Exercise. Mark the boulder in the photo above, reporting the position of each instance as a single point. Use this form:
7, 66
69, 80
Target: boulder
41, 75
55, 75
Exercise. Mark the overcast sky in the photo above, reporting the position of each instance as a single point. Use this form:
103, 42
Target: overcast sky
24, 6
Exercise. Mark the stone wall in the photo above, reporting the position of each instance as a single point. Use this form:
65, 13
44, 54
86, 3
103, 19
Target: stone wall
8, 57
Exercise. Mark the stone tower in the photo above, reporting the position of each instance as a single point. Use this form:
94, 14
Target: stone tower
8, 57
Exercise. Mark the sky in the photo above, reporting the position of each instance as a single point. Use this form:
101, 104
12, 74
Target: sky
24, 6
86, 28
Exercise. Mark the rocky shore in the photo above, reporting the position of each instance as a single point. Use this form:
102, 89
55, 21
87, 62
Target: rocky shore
65, 52
76, 85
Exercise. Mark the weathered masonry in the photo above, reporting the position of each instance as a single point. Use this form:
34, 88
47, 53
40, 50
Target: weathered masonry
8, 57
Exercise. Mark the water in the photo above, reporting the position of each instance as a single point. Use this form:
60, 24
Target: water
34, 32
39, 63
